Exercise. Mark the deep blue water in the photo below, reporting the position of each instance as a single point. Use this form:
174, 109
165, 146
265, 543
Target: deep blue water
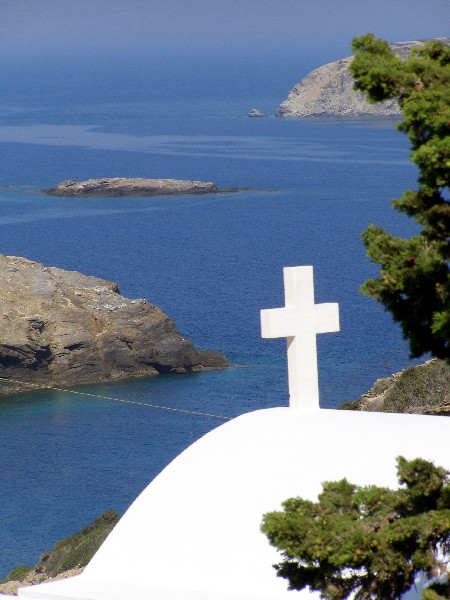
211, 262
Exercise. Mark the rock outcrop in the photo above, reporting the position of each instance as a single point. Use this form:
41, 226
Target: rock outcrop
422, 389
32, 577
123, 186
255, 112
60, 327
328, 91
67, 558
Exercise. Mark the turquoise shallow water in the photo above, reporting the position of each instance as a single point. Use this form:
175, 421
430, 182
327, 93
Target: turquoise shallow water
211, 262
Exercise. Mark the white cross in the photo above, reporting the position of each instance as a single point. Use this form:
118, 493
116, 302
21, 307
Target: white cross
300, 321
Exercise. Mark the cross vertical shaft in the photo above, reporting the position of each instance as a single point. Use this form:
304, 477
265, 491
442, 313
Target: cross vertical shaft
300, 321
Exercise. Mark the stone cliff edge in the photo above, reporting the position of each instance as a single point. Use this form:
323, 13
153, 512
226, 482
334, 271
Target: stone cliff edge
60, 327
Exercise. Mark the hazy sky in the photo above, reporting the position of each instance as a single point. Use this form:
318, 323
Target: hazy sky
216, 26
304, 33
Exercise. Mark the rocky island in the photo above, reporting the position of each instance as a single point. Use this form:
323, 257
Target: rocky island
328, 91
60, 327
255, 112
123, 186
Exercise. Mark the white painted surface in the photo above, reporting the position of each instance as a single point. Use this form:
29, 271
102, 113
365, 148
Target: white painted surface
193, 534
300, 321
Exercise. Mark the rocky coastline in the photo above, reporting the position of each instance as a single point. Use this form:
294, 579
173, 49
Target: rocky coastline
420, 389
63, 328
125, 186
328, 91
67, 558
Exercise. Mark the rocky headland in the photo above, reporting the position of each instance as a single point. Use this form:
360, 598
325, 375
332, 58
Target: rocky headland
60, 327
421, 389
328, 92
123, 186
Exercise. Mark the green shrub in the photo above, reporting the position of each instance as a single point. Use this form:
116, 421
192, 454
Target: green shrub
77, 550
17, 574
366, 542
419, 388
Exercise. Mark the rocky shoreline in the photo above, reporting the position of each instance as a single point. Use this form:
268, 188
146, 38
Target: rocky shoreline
11, 588
328, 91
67, 558
63, 328
123, 186
421, 389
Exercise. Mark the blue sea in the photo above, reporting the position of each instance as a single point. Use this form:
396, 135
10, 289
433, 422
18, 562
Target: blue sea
210, 262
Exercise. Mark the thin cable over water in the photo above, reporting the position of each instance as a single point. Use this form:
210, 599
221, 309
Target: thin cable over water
121, 400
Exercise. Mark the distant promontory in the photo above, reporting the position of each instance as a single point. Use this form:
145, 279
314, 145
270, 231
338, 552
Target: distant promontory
123, 186
328, 91
61, 328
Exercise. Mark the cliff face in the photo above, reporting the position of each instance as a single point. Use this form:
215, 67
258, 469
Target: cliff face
328, 91
60, 327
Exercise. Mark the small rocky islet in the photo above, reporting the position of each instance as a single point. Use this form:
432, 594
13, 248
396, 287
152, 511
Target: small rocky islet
63, 328
135, 186
255, 112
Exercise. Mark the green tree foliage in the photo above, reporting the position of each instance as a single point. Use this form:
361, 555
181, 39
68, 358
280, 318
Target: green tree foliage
368, 541
414, 280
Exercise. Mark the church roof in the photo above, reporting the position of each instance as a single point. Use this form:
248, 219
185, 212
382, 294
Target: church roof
193, 534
